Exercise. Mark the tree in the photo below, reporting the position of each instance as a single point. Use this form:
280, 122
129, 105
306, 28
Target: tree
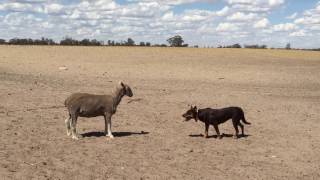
236, 46
69, 41
256, 46
2, 41
142, 44
175, 41
130, 42
288, 46
85, 42
230, 46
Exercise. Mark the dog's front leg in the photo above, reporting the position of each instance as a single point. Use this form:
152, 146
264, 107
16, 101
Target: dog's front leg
206, 130
217, 130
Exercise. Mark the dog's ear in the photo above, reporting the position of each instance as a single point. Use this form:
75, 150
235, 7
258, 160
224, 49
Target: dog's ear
195, 107
121, 83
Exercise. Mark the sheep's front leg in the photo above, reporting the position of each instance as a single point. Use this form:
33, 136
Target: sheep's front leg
107, 118
74, 133
68, 125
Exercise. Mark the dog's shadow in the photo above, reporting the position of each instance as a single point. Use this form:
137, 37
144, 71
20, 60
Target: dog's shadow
115, 134
216, 136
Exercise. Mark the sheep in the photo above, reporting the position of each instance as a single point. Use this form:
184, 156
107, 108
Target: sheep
91, 105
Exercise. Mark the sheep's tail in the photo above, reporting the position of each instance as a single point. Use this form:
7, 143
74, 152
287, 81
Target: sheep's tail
65, 103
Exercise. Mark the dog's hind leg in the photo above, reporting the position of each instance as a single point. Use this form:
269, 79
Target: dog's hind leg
235, 123
217, 130
242, 129
206, 130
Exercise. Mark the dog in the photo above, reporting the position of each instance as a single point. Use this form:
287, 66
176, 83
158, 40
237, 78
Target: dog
217, 116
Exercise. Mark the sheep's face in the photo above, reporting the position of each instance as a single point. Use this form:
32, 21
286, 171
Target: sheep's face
126, 89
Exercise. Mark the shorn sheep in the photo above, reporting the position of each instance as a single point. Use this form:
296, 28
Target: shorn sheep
91, 105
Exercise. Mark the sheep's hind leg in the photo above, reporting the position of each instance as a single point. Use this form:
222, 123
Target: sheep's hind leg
68, 125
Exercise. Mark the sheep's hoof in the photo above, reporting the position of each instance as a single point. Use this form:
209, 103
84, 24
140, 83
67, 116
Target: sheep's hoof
76, 137
69, 133
110, 136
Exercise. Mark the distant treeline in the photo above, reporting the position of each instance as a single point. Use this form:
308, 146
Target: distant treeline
255, 46
263, 46
68, 41
175, 41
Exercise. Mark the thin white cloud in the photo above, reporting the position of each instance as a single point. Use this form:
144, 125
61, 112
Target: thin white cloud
53, 8
285, 27
310, 19
300, 33
262, 23
20, 7
224, 11
225, 27
292, 16
255, 5
240, 16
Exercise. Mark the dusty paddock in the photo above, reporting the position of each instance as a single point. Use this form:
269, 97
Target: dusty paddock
278, 90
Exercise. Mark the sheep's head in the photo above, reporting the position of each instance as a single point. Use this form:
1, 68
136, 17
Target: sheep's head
126, 89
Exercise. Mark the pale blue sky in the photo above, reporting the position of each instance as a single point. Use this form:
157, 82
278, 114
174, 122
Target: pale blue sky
201, 22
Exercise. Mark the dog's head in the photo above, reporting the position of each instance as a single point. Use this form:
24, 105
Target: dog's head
191, 114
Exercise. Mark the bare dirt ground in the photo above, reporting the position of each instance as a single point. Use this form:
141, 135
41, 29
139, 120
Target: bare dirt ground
278, 90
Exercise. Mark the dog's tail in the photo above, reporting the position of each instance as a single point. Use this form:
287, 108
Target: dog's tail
244, 120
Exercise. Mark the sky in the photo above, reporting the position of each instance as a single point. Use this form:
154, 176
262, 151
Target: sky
200, 22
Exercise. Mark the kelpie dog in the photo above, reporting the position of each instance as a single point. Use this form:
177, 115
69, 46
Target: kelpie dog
216, 117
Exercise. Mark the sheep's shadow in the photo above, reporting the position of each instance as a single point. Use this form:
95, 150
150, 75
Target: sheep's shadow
223, 135
115, 134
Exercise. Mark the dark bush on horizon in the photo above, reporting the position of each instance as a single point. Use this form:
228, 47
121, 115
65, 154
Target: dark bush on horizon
256, 46
230, 46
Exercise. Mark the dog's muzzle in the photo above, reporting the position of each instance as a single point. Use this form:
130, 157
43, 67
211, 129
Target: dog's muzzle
187, 117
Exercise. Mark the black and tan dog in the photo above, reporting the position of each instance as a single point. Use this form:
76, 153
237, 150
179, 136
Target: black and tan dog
216, 117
